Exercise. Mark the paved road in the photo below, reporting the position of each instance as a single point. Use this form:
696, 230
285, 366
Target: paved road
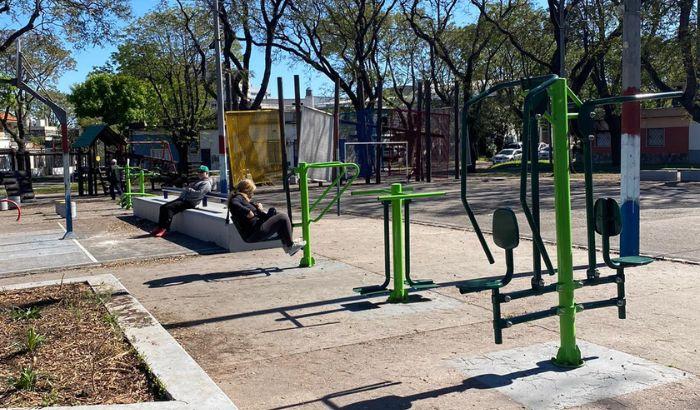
670, 212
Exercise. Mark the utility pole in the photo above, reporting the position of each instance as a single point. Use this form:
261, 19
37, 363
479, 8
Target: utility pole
562, 38
631, 127
220, 109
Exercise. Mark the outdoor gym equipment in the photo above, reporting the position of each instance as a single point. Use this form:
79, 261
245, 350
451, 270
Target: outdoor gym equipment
306, 220
608, 222
604, 218
396, 197
586, 132
534, 104
17, 207
126, 198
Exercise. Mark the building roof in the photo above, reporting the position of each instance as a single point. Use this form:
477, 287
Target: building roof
102, 132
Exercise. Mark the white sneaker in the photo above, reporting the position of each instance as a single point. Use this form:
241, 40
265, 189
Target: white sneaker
296, 247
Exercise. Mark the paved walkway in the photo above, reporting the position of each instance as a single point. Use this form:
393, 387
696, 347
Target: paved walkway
275, 336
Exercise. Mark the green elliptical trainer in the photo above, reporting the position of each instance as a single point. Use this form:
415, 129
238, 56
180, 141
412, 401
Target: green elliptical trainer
397, 198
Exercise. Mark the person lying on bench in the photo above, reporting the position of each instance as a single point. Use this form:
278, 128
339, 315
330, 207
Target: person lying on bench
256, 223
189, 198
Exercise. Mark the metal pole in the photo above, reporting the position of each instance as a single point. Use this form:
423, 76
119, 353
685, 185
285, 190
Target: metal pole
419, 139
631, 127
456, 130
283, 142
378, 148
336, 137
569, 354
562, 38
428, 133
399, 293
307, 260
220, 109
297, 117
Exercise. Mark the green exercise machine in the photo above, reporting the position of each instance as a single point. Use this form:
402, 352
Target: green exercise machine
306, 209
398, 199
130, 172
603, 217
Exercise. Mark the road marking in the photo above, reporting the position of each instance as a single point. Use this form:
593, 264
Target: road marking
89, 255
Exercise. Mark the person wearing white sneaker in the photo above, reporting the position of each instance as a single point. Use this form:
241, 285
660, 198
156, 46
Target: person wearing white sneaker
296, 247
256, 223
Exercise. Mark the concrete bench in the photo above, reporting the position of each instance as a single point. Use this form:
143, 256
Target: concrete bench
204, 223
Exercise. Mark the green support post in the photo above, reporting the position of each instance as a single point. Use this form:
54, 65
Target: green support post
142, 182
399, 294
307, 260
127, 176
569, 354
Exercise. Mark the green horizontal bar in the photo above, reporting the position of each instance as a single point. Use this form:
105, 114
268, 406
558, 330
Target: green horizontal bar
635, 97
378, 191
411, 196
572, 115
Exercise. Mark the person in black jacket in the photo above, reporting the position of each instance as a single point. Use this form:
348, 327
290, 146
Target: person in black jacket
257, 224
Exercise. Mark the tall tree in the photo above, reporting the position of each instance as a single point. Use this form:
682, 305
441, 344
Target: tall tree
164, 49
116, 99
81, 22
671, 58
340, 39
249, 24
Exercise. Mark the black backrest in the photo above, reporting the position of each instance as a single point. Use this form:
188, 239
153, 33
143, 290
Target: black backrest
505, 228
607, 217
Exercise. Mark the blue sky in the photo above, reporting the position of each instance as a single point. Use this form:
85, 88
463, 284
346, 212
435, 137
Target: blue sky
89, 58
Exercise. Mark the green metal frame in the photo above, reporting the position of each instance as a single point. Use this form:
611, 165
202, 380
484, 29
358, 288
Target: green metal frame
125, 201
396, 198
536, 85
586, 131
306, 220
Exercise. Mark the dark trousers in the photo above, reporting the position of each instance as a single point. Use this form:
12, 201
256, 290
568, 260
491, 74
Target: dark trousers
170, 209
115, 187
278, 224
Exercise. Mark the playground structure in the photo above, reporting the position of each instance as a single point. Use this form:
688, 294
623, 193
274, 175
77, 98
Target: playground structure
397, 198
603, 217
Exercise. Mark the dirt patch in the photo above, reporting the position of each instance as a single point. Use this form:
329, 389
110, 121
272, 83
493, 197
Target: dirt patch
60, 346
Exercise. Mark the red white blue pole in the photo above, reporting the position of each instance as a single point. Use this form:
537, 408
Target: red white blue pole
631, 130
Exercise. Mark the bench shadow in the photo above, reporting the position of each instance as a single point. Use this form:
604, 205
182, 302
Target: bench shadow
212, 277
395, 402
184, 241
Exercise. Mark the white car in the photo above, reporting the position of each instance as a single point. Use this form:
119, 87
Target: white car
506, 155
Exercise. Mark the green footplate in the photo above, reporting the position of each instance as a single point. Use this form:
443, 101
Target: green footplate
633, 260
479, 285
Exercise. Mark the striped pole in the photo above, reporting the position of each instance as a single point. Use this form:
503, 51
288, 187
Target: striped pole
631, 127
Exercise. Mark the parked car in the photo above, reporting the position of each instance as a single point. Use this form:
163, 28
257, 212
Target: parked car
506, 155
514, 145
544, 151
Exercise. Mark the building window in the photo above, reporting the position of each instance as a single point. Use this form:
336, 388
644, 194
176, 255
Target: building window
656, 138
602, 140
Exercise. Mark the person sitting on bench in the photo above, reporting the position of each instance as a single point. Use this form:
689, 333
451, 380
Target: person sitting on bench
189, 198
256, 223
